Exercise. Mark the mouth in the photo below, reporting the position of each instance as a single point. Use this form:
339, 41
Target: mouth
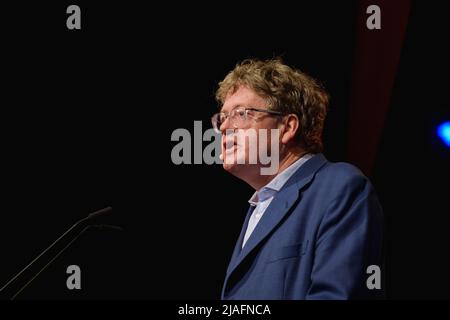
229, 144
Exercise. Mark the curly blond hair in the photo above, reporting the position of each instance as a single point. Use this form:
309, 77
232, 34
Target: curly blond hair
286, 90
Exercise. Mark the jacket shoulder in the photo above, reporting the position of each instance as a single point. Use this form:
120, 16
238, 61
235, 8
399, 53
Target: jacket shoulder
342, 175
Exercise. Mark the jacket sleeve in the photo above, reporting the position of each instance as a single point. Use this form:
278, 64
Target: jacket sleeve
348, 241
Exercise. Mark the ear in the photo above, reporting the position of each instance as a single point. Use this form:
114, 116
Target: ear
291, 124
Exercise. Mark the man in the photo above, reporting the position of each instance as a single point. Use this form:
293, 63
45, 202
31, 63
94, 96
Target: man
313, 227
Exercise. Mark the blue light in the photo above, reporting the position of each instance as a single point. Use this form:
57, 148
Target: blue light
443, 132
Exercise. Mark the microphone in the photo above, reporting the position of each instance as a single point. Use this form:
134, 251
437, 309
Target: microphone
100, 213
87, 222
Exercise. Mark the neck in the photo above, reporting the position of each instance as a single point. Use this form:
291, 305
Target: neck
290, 157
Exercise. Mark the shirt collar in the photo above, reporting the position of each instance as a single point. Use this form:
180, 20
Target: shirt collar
275, 185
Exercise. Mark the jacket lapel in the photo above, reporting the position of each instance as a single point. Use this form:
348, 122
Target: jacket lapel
238, 246
277, 209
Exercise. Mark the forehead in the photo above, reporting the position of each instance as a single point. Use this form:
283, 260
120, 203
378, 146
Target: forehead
245, 97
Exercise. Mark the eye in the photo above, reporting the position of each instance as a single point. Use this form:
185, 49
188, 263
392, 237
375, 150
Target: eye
240, 113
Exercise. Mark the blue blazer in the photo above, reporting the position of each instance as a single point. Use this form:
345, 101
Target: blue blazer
315, 240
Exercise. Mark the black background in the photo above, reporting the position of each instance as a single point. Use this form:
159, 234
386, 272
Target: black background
87, 123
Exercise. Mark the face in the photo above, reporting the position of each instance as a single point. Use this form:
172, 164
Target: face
239, 141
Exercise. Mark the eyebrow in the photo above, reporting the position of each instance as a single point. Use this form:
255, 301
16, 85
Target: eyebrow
236, 106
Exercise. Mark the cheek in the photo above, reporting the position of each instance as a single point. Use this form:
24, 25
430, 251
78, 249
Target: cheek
269, 135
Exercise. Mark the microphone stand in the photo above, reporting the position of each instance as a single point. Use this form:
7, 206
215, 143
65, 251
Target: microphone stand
88, 219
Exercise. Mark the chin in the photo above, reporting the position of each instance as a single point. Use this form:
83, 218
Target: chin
231, 168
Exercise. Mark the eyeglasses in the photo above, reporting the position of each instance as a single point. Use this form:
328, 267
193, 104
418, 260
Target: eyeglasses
239, 116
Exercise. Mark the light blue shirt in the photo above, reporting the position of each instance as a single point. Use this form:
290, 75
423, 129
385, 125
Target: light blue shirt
262, 198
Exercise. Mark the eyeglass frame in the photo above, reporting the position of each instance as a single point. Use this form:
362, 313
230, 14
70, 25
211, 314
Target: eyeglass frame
272, 112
